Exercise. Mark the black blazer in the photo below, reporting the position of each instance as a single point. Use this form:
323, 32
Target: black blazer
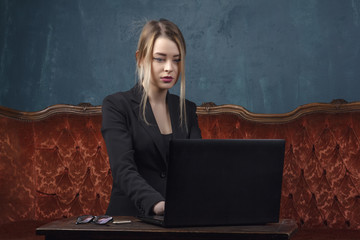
137, 151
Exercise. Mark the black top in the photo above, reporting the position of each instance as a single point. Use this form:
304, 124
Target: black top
166, 139
137, 150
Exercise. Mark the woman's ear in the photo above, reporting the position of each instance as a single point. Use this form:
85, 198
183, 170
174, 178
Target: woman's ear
137, 57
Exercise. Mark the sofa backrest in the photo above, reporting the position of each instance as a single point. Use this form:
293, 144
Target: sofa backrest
54, 164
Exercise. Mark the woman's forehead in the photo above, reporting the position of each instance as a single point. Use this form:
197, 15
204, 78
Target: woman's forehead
165, 46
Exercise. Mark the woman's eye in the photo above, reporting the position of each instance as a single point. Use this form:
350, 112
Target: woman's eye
159, 59
177, 60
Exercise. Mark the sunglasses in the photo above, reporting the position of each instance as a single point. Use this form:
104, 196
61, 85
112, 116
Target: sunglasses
103, 219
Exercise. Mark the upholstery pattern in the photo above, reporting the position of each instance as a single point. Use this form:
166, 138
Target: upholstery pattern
17, 183
56, 165
53, 168
77, 180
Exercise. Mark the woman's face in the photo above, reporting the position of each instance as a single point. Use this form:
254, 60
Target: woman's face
165, 64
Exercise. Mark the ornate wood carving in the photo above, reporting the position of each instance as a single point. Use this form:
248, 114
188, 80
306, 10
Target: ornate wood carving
339, 101
336, 106
208, 104
83, 109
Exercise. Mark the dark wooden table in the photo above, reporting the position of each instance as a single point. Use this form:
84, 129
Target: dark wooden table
67, 229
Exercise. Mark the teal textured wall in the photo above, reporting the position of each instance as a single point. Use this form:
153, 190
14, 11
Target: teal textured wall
269, 56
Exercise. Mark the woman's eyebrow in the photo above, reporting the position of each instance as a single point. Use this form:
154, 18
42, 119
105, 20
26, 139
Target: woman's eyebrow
164, 55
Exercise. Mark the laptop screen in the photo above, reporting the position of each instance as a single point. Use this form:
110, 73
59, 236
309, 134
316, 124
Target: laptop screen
224, 182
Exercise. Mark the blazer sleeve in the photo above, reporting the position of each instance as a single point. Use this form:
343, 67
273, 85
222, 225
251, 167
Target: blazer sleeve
116, 132
194, 130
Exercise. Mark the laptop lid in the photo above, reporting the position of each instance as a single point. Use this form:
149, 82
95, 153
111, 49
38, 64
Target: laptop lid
223, 182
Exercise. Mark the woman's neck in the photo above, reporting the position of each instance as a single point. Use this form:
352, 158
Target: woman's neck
157, 96
160, 110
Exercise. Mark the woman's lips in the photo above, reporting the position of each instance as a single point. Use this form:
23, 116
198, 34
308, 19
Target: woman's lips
167, 79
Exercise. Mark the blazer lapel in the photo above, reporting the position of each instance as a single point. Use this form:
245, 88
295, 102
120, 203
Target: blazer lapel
152, 128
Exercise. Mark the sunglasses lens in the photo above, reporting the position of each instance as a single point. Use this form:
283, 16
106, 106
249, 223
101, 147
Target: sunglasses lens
84, 219
104, 219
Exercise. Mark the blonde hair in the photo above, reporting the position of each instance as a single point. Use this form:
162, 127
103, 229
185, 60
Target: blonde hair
150, 32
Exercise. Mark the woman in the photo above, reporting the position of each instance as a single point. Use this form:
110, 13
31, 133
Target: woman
138, 124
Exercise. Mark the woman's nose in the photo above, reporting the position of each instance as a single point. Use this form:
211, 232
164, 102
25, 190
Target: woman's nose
168, 66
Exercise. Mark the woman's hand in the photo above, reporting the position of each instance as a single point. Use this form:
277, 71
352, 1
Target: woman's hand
159, 208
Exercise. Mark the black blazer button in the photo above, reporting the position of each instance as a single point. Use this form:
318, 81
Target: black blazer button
163, 174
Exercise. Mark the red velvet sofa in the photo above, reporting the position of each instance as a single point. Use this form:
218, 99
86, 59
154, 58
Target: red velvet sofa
54, 164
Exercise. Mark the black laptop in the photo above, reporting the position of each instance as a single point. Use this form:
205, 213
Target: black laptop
222, 182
